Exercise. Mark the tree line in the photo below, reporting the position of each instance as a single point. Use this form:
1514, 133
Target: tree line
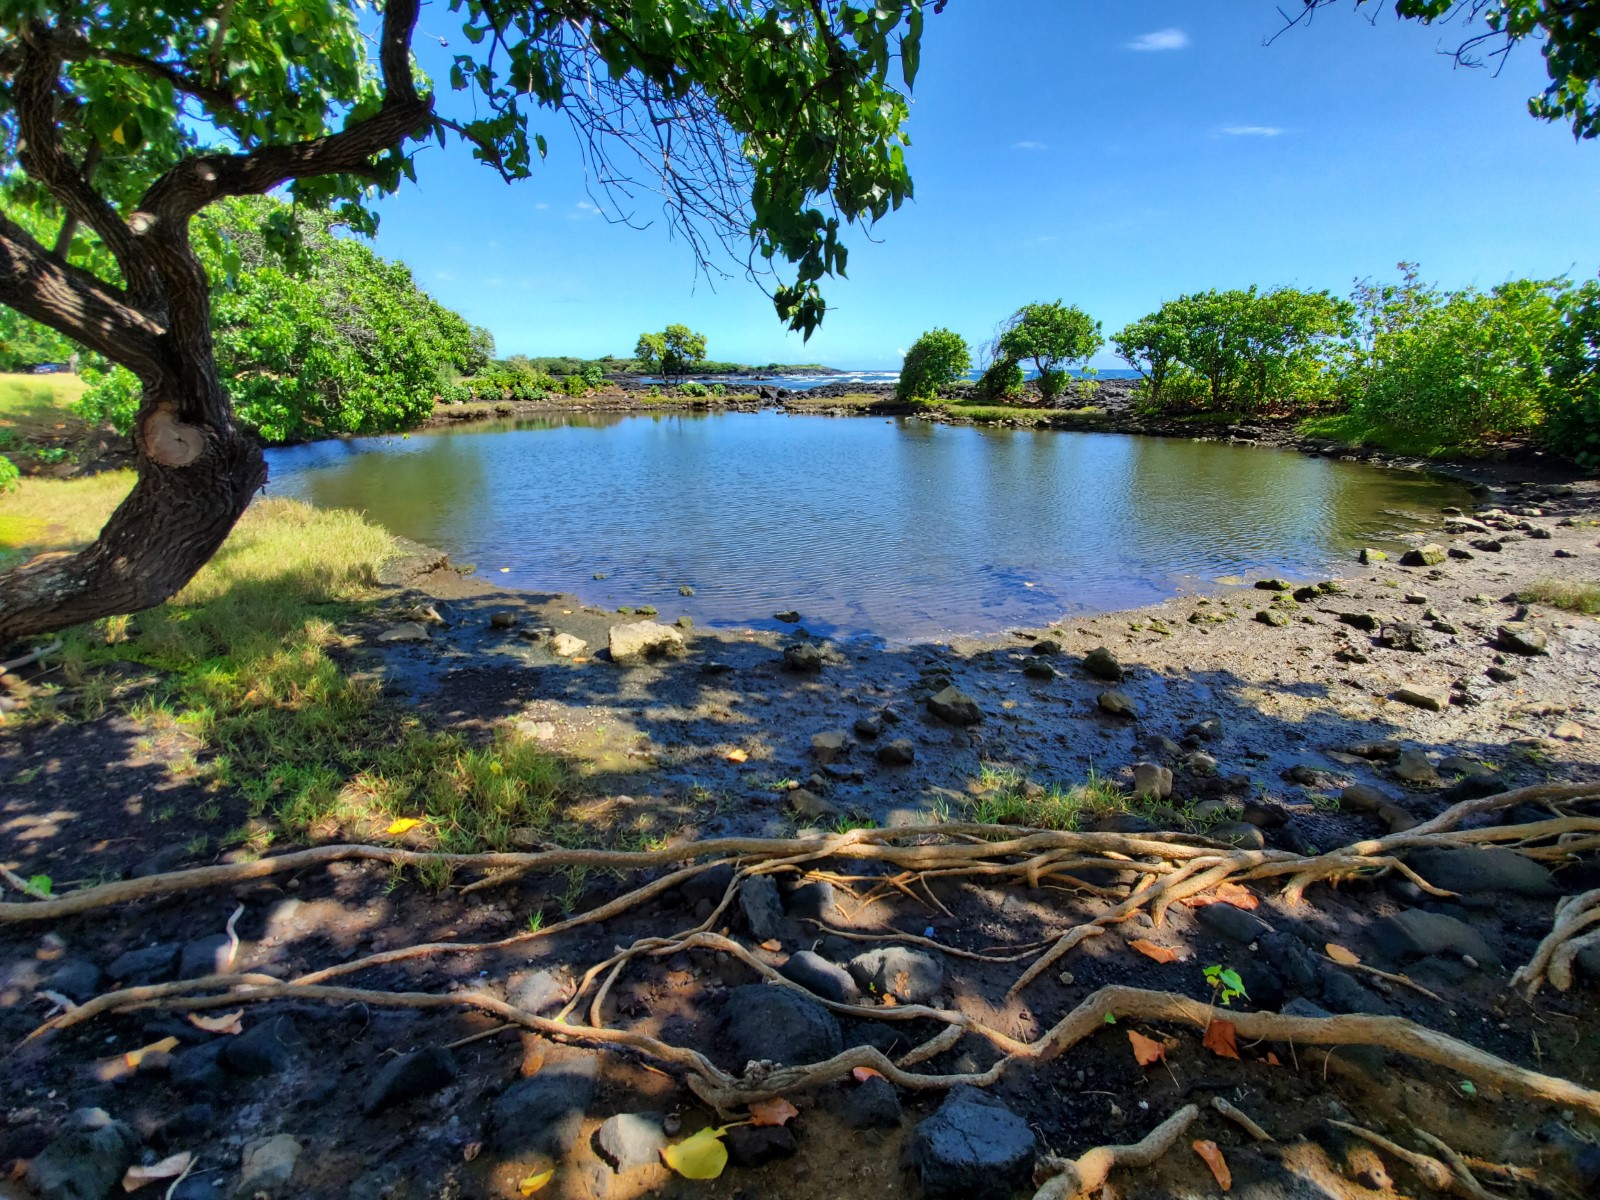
1466, 368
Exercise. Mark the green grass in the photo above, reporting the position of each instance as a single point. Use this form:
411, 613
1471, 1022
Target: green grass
1572, 595
1008, 797
245, 657
988, 413
853, 400
36, 417
1354, 430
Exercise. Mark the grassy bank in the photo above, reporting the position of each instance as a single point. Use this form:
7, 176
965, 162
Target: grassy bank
1359, 432
985, 414
247, 662
38, 428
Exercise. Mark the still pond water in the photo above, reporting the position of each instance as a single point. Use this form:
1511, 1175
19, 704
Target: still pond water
898, 528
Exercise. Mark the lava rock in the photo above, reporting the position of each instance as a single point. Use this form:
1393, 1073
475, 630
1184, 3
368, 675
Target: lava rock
209, 955
1152, 779
774, 1024
973, 1147
1263, 816
420, 1073
757, 1145
150, 964
873, 1104
1475, 872
542, 990
814, 900
87, 1161
1117, 704
1233, 923
761, 907
809, 806
1428, 698
198, 1071
1242, 834
1365, 622
77, 979
543, 1114
629, 1141
263, 1049
829, 745
821, 977
267, 1166
1036, 669
1103, 664
1522, 637
1430, 555
803, 657
1403, 635
955, 707
1363, 798
910, 976
1413, 767
899, 752
1414, 933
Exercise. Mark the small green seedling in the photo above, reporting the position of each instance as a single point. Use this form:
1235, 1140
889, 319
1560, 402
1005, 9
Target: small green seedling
1226, 983
1468, 1089
1111, 1018
40, 884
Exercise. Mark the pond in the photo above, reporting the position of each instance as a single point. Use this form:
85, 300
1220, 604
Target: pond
898, 528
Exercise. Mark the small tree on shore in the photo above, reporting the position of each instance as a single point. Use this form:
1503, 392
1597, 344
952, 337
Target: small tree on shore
672, 352
936, 359
1053, 337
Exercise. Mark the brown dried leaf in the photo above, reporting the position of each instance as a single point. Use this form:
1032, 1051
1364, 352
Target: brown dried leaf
1221, 1039
1342, 956
226, 1023
1213, 1159
1146, 1050
1273, 1060
472, 1150
167, 1168
1224, 893
1162, 954
776, 1111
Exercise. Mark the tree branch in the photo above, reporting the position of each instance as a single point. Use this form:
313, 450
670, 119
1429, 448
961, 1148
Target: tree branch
73, 47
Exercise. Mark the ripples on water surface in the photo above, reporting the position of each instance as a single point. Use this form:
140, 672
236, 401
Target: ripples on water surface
898, 528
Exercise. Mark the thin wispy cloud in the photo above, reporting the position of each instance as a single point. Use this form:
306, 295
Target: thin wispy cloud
1266, 131
1029, 146
1161, 39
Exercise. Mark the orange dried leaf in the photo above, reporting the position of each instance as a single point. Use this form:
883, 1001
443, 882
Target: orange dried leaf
1162, 954
226, 1023
1225, 893
165, 1046
1342, 956
772, 944
776, 1111
1213, 1159
862, 1074
889, 1001
737, 756
1146, 1050
1221, 1039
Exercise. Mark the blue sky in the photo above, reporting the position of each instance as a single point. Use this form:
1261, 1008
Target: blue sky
1112, 155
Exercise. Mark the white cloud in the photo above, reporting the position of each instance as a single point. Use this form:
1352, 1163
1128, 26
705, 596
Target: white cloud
541, 205
585, 206
1252, 130
1029, 146
1161, 39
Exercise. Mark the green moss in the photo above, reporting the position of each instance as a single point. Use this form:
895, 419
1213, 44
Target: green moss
1354, 430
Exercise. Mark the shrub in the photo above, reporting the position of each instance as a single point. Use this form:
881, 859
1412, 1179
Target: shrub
455, 393
719, 390
1053, 336
575, 385
692, 388
1001, 380
937, 359
1572, 422
9, 475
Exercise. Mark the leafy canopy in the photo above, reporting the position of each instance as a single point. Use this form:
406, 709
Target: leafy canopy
936, 359
1053, 337
676, 350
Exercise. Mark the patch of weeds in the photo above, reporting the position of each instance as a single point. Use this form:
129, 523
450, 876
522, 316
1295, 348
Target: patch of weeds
209, 811
1011, 798
197, 845
577, 879
164, 814
846, 824
1566, 594
536, 920
1322, 802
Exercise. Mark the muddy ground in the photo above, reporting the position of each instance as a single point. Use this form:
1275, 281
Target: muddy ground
1257, 722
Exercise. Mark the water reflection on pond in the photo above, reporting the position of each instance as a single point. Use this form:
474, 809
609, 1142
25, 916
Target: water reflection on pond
900, 528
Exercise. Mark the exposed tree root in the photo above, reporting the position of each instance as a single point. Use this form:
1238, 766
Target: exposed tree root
1552, 960
1433, 1173
1073, 1177
1242, 1120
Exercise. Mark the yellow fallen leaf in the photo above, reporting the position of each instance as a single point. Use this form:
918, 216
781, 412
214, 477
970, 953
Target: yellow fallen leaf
507, 571
165, 1046
1146, 1050
702, 1156
1342, 956
226, 1023
776, 1111
167, 1168
533, 1183
1213, 1158
404, 825
737, 756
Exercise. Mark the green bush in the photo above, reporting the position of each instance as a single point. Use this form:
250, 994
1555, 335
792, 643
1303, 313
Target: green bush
9, 475
719, 390
692, 388
455, 393
1001, 380
1572, 421
937, 359
1054, 336
575, 385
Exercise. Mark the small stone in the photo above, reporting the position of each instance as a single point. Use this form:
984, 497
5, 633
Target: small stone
1242, 834
1386, 751
1522, 637
267, 1165
1502, 674
1414, 933
406, 631
1271, 616
1568, 731
1430, 555
565, 645
543, 1114
1046, 646
757, 1145
1350, 655
1366, 622
686, 590
205, 956
1103, 664
1274, 585
1207, 729
788, 616
955, 706
263, 1049
910, 976
1151, 779
198, 1070
761, 907
1370, 556
1413, 767
543, 990
1461, 554
1362, 798
872, 1105
77, 979
1117, 704
868, 727
631, 1141
809, 806
504, 620
1416, 598
900, 752
1418, 696
1232, 922
1035, 669
1402, 635
803, 657
420, 1073
829, 745
821, 977
151, 964
1488, 545
85, 1162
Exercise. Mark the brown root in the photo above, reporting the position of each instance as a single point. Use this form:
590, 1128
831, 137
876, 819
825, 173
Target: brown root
1074, 1177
